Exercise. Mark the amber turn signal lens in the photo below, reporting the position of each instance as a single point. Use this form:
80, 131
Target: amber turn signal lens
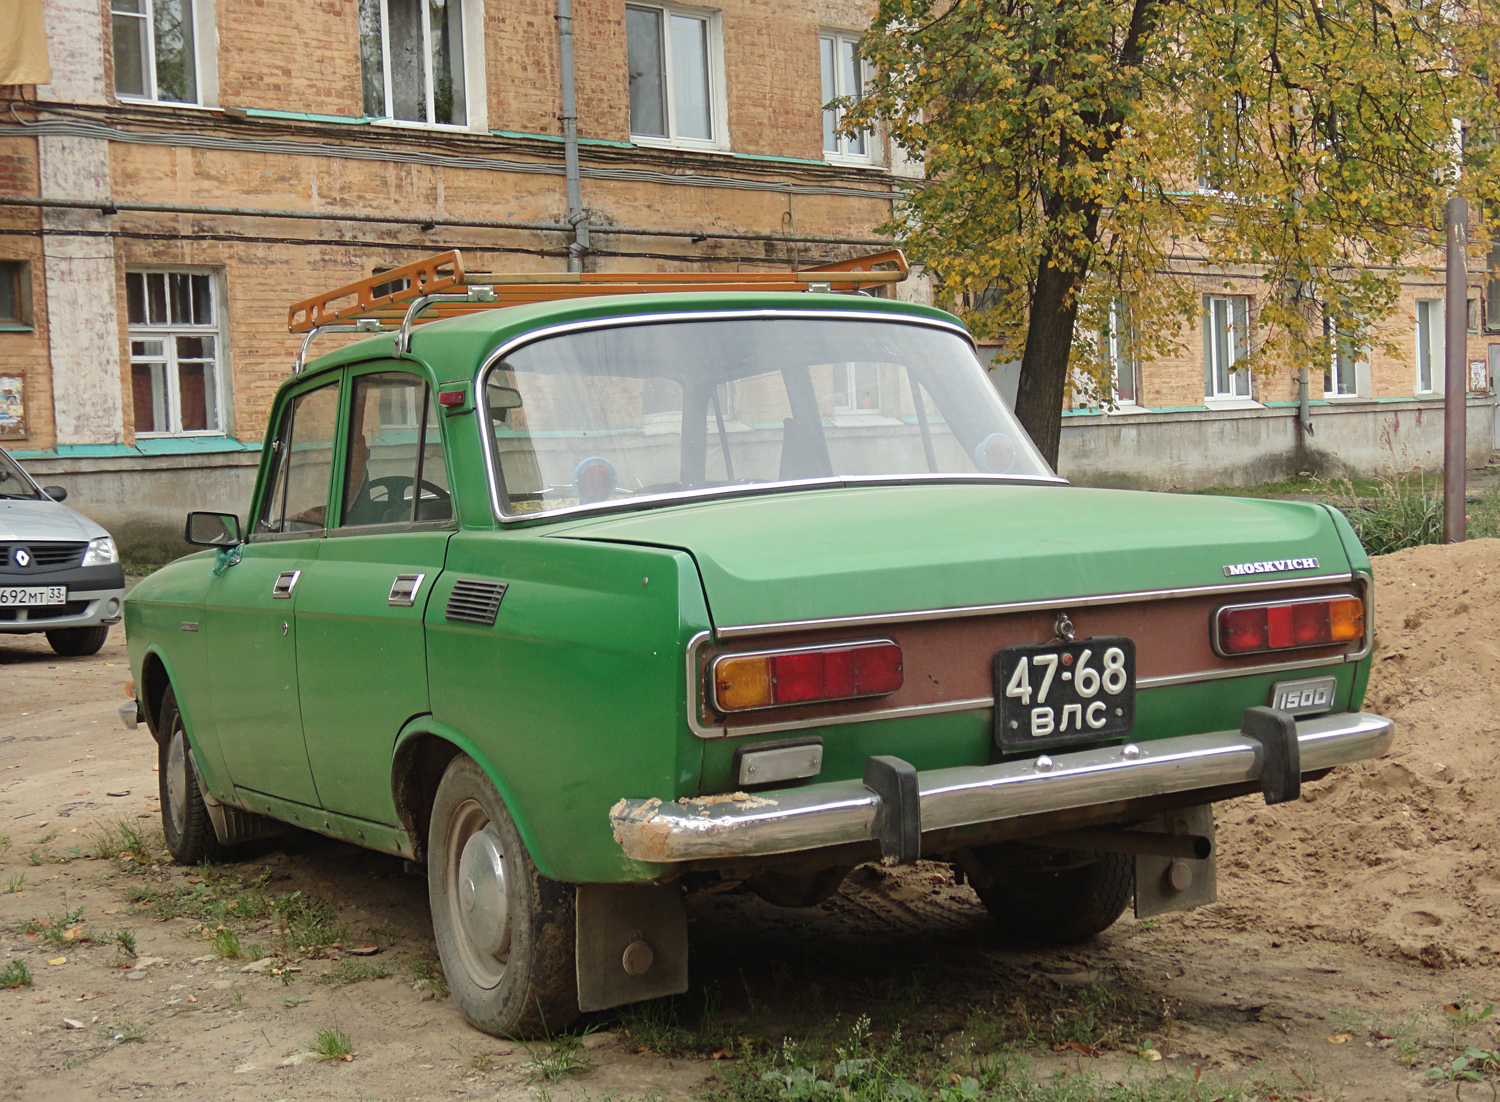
1254, 629
848, 671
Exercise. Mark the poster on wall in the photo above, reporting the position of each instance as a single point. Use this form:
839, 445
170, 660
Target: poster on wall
12, 407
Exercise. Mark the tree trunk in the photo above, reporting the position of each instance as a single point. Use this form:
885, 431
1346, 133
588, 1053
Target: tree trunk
1044, 363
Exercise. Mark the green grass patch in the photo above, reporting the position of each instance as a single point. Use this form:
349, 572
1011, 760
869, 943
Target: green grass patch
353, 971
429, 970
15, 974
124, 841
309, 927
333, 1044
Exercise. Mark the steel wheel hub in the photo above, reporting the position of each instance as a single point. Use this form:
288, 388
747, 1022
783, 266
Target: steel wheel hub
483, 905
177, 782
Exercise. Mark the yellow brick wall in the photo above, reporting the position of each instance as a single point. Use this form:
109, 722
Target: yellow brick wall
24, 354
290, 55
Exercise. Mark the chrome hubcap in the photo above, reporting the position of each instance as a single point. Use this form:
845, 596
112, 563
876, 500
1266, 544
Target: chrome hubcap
177, 782
483, 905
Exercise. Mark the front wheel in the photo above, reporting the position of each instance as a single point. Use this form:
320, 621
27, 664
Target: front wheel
504, 931
1063, 905
77, 642
184, 816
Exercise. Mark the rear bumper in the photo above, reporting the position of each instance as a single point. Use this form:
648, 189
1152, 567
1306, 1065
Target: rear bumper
837, 813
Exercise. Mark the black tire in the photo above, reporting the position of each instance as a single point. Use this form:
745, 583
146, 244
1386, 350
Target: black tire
1064, 906
503, 930
78, 642
184, 817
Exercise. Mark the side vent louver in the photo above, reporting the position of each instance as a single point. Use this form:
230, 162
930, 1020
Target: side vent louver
475, 602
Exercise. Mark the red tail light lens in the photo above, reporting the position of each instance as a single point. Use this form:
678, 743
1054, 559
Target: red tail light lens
847, 671
1320, 622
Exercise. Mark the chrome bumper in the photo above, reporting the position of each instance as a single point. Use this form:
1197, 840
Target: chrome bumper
790, 820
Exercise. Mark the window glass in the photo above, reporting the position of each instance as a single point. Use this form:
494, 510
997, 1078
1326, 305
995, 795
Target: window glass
154, 50
690, 76
1226, 341
1340, 378
648, 101
11, 273
297, 499
13, 482
1427, 321
175, 352
412, 60
844, 74
636, 411
394, 471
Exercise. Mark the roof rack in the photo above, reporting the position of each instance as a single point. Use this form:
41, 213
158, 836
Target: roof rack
437, 287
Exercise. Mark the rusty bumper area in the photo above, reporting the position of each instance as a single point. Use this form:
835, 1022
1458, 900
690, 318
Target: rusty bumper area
795, 819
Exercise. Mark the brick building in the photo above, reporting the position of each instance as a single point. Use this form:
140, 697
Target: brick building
194, 166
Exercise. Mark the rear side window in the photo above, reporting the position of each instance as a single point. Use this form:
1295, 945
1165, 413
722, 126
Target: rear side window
297, 498
394, 472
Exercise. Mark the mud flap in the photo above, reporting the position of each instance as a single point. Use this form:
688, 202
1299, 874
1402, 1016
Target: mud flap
1164, 884
632, 943
233, 825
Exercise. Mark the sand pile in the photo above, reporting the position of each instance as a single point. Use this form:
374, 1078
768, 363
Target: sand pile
1400, 854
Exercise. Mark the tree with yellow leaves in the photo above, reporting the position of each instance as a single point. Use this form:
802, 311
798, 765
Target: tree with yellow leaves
1079, 153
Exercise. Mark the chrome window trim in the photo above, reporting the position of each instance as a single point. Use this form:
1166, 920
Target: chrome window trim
986, 703
491, 466
839, 645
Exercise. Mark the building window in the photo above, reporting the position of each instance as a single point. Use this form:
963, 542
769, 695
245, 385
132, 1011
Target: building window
675, 65
412, 60
176, 362
1429, 342
1226, 342
856, 388
15, 295
1341, 376
155, 57
1118, 344
844, 74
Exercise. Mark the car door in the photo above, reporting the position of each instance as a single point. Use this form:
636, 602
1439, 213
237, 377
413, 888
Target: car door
249, 607
361, 650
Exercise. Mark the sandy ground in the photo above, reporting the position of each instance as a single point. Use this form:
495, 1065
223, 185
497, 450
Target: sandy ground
1355, 944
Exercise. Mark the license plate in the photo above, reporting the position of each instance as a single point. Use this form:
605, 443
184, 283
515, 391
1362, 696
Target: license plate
1058, 694
13, 596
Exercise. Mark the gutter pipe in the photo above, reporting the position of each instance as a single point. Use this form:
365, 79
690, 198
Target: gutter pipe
577, 217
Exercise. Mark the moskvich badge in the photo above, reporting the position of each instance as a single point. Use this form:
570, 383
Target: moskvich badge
1273, 566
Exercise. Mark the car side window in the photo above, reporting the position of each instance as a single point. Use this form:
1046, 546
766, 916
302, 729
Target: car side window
297, 499
394, 471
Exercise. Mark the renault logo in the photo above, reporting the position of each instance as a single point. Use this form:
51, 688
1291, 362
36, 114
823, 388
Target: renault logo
21, 557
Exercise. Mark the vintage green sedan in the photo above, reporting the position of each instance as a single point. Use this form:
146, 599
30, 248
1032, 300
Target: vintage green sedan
581, 599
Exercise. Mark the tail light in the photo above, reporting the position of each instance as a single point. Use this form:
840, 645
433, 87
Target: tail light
1287, 625
768, 679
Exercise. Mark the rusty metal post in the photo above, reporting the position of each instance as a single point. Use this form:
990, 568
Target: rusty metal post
1455, 371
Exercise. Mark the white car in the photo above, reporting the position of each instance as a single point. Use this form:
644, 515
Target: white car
59, 571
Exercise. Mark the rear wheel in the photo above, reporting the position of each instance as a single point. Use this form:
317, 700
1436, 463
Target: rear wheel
77, 642
1062, 905
504, 931
184, 816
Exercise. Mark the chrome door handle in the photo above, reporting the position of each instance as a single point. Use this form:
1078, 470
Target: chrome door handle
286, 581
404, 590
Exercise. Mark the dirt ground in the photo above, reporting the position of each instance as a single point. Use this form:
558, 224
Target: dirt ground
1355, 944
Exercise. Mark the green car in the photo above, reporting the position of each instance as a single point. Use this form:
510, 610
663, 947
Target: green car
584, 599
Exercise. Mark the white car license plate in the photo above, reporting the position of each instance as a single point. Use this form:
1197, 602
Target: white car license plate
12, 596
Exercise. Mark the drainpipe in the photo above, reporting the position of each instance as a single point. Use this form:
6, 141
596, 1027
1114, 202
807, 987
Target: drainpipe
576, 215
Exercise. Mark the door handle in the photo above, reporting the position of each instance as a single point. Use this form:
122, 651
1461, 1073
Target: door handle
404, 590
286, 581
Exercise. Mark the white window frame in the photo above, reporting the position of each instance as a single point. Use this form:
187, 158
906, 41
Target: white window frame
165, 333
205, 55
1235, 341
842, 153
1360, 355
1119, 355
476, 111
718, 112
1434, 340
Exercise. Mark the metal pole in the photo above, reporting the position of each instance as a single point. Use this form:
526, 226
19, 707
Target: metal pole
576, 215
1455, 371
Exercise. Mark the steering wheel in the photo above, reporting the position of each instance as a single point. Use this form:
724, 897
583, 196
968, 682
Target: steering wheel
396, 485
381, 496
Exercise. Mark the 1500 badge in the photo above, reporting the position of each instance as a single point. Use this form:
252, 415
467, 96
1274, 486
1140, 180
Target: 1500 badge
1273, 566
